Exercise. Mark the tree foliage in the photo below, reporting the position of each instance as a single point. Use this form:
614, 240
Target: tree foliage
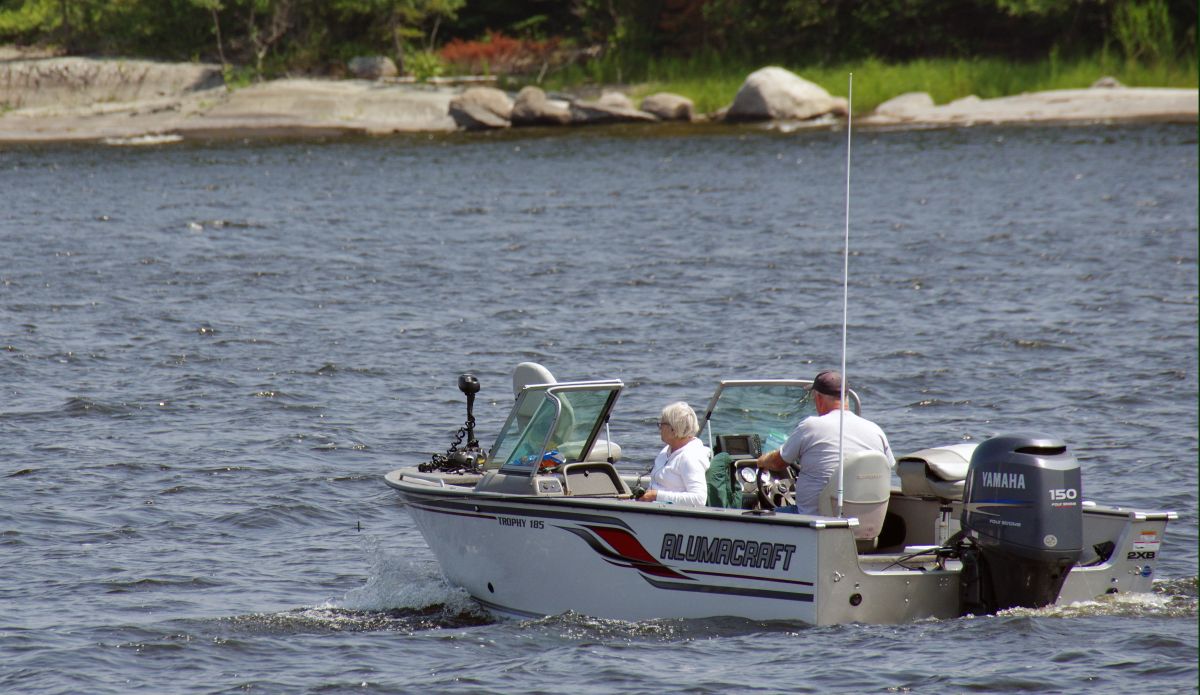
318, 36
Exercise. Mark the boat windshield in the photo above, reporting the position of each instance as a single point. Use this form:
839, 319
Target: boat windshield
563, 418
770, 409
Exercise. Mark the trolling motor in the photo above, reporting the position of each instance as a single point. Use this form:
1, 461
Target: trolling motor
469, 385
471, 458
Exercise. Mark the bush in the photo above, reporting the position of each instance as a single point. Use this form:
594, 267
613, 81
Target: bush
500, 54
423, 65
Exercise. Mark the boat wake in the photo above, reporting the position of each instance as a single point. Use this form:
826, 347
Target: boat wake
402, 593
332, 619
1171, 598
576, 627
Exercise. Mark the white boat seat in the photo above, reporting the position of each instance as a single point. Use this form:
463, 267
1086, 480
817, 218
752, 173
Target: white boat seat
936, 472
532, 373
528, 374
601, 450
866, 489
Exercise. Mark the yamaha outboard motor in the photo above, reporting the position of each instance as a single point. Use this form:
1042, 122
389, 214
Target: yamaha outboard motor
1022, 523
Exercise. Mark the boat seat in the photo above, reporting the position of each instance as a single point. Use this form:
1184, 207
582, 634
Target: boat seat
529, 374
867, 488
936, 472
602, 450
532, 373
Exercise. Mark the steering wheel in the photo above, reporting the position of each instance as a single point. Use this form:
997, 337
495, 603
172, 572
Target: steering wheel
778, 490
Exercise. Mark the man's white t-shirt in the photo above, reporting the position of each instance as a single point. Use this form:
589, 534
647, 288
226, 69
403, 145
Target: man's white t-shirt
679, 475
814, 443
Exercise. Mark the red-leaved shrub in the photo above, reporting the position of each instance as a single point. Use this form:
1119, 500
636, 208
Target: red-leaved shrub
498, 54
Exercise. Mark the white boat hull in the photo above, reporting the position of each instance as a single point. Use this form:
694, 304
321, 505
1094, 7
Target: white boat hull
612, 558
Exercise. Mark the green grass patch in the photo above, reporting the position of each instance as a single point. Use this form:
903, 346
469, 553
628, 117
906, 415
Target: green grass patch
711, 84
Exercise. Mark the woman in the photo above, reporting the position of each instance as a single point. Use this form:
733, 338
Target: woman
679, 469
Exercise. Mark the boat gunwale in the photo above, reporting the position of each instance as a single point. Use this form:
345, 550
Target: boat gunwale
429, 485
608, 503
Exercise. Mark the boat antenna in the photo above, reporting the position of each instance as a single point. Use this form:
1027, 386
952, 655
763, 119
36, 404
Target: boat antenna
845, 303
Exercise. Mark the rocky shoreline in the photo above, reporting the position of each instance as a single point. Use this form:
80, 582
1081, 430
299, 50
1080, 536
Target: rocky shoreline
133, 102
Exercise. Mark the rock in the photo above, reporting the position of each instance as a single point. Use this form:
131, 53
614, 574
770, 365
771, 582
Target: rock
615, 100
372, 67
1057, 106
342, 105
490, 98
481, 108
533, 108
773, 93
76, 82
669, 107
1107, 82
906, 106
611, 107
471, 116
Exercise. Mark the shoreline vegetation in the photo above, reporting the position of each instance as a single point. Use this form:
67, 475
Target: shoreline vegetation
131, 102
162, 69
944, 79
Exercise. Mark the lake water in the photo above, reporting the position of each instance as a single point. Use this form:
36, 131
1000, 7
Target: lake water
211, 354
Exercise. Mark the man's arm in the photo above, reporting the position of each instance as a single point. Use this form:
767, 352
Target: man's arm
772, 461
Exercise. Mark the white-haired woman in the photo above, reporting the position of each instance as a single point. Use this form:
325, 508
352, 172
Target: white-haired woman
679, 469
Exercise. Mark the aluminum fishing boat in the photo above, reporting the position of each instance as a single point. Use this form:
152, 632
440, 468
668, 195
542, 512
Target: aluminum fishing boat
545, 523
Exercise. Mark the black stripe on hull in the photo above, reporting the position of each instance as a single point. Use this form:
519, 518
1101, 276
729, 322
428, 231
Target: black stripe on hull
730, 575
729, 590
484, 510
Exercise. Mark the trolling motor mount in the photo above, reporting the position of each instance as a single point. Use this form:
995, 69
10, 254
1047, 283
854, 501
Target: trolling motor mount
469, 385
471, 458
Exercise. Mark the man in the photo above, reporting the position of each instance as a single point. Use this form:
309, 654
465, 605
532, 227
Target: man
814, 443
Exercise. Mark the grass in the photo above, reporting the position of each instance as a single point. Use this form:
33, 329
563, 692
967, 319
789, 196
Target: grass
712, 84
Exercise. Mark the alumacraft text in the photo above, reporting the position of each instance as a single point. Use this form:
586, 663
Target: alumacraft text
726, 551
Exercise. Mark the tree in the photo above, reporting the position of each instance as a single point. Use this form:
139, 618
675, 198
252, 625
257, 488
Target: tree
36, 20
214, 8
267, 22
404, 20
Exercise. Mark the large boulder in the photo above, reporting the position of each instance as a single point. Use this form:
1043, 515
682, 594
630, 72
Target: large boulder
615, 100
777, 94
669, 107
470, 116
372, 67
532, 107
907, 106
481, 108
495, 100
611, 107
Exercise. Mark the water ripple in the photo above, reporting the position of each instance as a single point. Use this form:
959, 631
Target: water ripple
215, 350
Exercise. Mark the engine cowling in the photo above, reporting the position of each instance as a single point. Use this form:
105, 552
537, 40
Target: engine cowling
1022, 523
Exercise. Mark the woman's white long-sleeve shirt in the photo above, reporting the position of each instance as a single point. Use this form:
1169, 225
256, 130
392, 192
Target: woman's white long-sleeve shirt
679, 475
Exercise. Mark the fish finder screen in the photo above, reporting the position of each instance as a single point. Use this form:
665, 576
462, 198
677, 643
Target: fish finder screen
740, 445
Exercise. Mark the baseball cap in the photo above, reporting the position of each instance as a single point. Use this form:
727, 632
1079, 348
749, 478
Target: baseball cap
828, 383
